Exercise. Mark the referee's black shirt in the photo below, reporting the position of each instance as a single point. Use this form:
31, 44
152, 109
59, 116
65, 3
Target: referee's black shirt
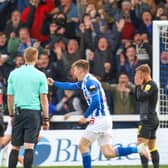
147, 97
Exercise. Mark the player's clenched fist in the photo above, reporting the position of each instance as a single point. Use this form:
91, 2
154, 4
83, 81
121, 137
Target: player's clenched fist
50, 81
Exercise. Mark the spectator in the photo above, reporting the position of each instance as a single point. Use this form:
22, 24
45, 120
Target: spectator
73, 104
70, 9
54, 70
70, 104
102, 61
111, 7
92, 30
4, 68
164, 71
123, 101
129, 64
21, 4
87, 34
55, 25
19, 61
3, 43
39, 11
160, 10
25, 41
14, 24
44, 64
152, 4
166, 4
60, 44
130, 20
69, 56
143, 48
81, 6
146, 26
141, 6
16, 46
4, 11
164, 16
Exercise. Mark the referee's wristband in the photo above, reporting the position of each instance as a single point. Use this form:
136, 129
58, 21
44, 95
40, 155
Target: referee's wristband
45, 118
11, 115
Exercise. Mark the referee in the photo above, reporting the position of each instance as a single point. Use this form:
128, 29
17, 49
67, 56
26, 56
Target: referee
146, 93
27, 96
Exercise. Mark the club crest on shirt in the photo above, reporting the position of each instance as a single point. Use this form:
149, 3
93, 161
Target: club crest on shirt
92, 88
147, 87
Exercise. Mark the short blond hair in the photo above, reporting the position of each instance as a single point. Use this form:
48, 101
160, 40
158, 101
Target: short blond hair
30, 54
81, 63
145, 68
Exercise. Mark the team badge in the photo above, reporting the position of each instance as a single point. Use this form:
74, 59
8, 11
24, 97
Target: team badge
92, 88
147, 87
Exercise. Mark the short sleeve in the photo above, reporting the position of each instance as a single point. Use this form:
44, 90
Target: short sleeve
10, 88
43, 85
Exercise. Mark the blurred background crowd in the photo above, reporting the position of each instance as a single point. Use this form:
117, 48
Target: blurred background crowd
113, 35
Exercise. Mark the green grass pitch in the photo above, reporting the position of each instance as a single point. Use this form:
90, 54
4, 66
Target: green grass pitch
102, 167
97, 167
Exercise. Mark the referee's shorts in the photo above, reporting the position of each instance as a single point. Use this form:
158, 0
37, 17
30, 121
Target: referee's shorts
26, 127
148, 130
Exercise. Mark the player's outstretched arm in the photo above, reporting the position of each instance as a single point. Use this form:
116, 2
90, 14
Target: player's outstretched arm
65, 85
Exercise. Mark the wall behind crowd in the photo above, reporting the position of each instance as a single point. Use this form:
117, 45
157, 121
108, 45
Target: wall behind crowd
114, 36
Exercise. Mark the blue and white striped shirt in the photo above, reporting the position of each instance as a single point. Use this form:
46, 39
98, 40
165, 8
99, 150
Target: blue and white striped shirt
93, 93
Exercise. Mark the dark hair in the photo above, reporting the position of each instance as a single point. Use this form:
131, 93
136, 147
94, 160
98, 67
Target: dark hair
123, 73
131, 46
42, 1
84, 15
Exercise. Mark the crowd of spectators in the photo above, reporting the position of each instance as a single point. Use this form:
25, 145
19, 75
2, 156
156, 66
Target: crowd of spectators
113, 35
